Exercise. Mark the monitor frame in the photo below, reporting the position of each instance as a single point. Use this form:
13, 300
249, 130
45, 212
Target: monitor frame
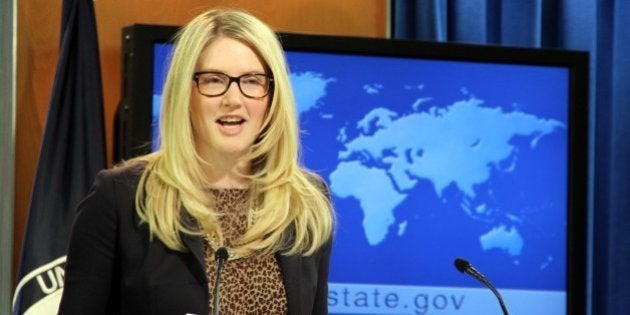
133, 116
132, 122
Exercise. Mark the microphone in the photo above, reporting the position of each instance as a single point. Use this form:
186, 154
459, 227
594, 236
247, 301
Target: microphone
221, 256
465, 267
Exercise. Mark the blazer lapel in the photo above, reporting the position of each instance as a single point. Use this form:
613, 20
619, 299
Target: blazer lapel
290, 269
195, 245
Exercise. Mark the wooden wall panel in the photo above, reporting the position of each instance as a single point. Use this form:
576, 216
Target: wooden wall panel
38, 32
38, 41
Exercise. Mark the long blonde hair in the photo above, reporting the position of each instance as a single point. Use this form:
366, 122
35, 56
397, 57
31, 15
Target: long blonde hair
290, 211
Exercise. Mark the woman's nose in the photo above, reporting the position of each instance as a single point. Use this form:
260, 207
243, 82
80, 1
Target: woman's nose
233, 95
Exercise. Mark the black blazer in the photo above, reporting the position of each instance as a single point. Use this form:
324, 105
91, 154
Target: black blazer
114, 268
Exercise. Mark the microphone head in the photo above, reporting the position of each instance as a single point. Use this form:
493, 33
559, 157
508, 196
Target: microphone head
221, 254
462, 264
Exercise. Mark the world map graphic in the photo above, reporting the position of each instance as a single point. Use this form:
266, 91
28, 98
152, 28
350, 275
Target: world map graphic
429, 161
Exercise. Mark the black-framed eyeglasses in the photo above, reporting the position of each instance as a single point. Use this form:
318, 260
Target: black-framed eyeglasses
252, 85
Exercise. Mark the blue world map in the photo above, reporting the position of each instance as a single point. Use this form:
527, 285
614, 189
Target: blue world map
385, 141
431, 160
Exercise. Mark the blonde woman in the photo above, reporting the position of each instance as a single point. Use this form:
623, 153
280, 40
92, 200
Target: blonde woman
149, 236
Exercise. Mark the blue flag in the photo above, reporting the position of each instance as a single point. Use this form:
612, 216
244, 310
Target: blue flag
72, 152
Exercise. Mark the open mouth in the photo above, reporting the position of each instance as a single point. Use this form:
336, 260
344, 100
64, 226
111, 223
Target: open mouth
230, 121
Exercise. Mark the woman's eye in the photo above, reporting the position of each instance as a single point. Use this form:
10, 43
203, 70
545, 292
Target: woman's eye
213, 79
252, 80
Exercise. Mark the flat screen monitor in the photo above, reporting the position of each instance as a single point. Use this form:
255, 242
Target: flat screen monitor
432, 152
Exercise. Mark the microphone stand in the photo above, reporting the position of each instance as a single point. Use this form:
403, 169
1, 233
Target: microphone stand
495, 291
465, 267
221, 257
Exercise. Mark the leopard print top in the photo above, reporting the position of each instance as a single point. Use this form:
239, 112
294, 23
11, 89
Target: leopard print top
248, 285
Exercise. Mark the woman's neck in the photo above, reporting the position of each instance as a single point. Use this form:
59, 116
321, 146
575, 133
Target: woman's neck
224, 174
229, 182
224, 169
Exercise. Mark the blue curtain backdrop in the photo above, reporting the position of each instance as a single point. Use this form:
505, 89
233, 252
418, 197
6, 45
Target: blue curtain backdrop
596, 26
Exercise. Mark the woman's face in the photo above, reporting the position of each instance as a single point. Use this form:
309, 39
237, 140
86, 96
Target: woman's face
227, 125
